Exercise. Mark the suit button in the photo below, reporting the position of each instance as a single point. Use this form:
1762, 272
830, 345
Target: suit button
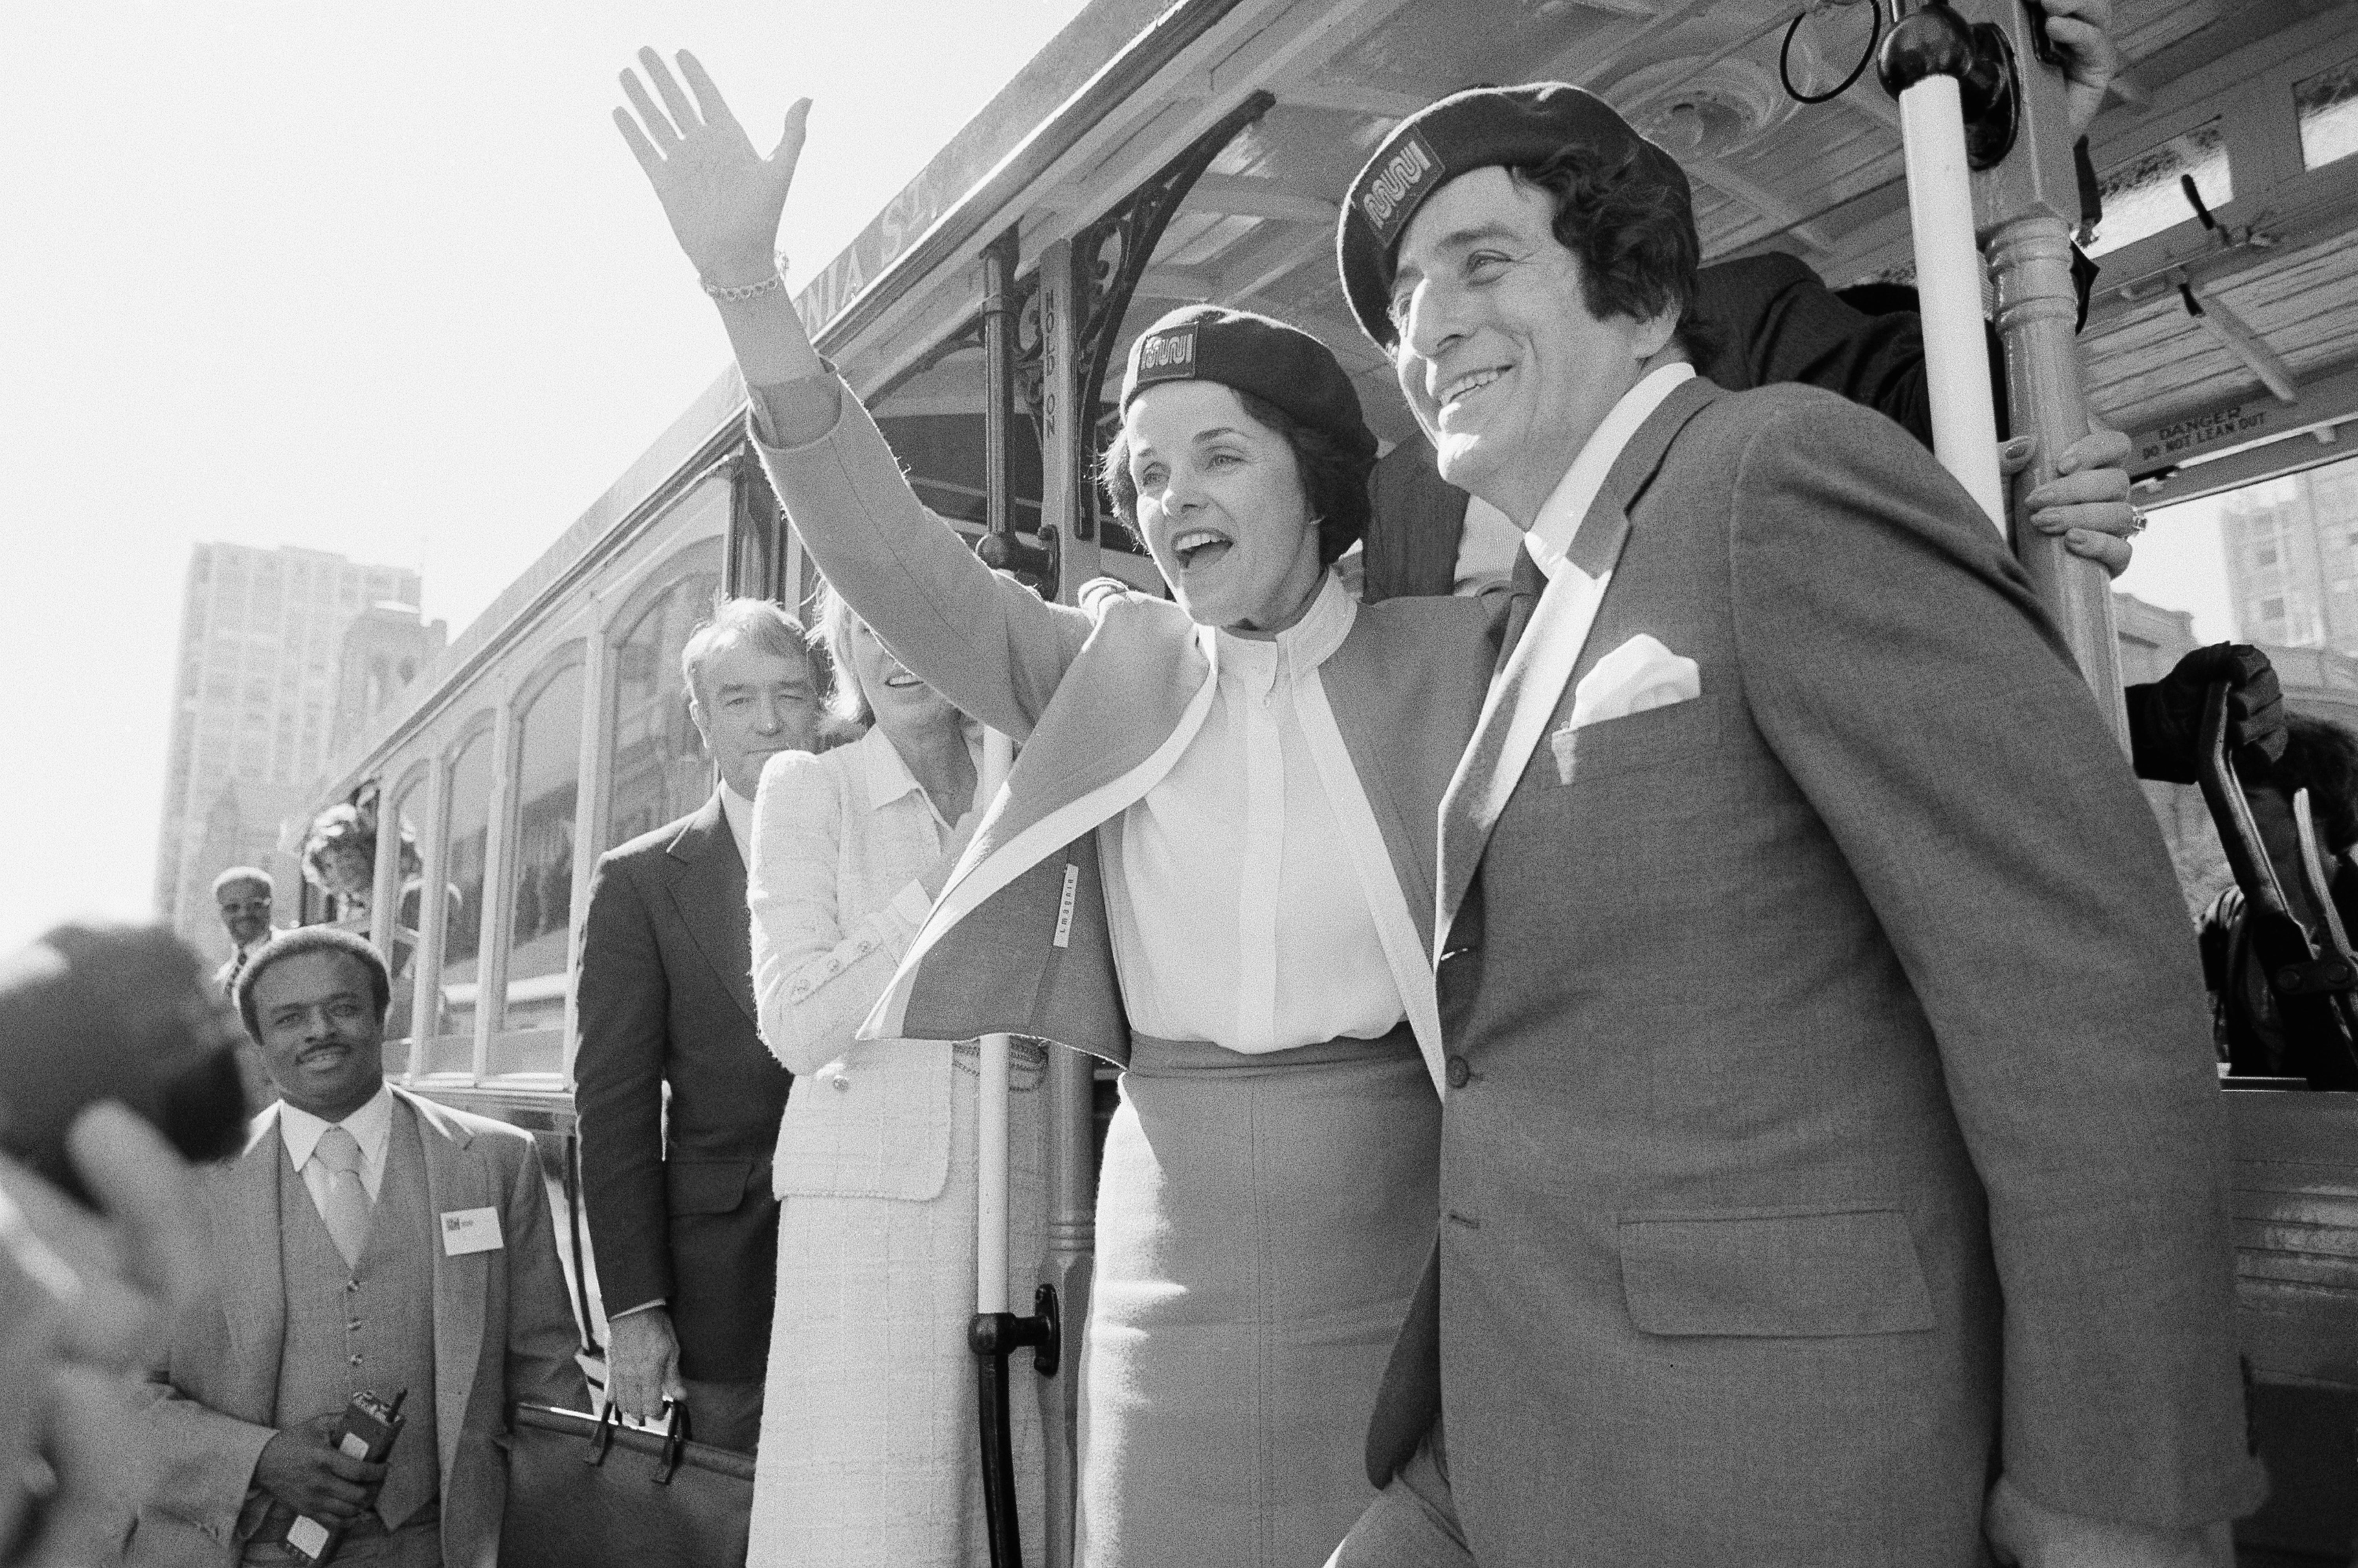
1458, 1071
356, 1360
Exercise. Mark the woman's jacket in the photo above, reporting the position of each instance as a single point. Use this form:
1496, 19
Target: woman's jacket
1104, 697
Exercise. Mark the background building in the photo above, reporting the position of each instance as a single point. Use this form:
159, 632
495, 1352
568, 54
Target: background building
387, 645
255, 712
2291, 545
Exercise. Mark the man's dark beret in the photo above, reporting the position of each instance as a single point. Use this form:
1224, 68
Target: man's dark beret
1280, 364
1515, 126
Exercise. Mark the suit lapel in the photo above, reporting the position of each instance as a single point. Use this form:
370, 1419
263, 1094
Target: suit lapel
1540, 656
707, 890
1127, 708
245, 1223
455, 1179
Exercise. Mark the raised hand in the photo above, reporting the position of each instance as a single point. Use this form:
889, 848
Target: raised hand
722, 196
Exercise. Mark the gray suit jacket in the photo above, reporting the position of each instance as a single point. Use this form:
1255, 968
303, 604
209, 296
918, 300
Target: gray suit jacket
1832, 1111
503, 1333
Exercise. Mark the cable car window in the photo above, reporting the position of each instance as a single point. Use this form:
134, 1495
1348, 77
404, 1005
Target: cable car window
2327, 105
934, 422
469, 837
549, 769
658, 768
2271, 563
2145, 196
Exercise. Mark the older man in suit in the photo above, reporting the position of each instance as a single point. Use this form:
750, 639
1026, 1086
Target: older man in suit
681, 1214
1832, 1126
244, 897
366, 1241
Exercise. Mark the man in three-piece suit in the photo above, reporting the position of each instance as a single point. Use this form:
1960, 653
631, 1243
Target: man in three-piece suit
367, 1240
1833, 1167
682, 1219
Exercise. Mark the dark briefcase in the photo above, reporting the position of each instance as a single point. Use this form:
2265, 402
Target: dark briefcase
588, 1493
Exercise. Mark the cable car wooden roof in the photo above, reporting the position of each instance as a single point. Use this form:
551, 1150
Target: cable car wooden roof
1702, 77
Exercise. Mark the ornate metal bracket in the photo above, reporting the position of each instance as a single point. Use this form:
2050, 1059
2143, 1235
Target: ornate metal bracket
1110, 256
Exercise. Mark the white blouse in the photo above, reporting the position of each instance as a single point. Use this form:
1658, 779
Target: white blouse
1237, 914
840, 840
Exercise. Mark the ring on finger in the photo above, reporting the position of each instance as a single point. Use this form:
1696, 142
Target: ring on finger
2137, 521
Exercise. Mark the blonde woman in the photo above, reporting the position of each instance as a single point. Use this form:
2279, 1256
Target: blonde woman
868, 1451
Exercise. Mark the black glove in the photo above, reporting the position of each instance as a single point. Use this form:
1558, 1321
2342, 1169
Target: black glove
2165, 717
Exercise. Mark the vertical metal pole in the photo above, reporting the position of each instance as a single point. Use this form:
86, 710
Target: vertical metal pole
1949, 287
384, 875
2028, 205
999, 380
1002, 1487
990, 1199
433, 916
1065, 431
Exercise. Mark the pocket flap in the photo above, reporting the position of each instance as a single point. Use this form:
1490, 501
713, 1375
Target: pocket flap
1811, 1272
705, 1187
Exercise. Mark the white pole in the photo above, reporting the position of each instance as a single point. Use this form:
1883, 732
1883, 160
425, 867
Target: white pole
991, 1099
1949, 290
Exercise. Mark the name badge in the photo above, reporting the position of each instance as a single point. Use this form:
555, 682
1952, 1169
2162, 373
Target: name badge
466, 1230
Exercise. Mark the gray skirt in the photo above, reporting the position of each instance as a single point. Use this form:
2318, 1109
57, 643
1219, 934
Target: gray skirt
1261, 1223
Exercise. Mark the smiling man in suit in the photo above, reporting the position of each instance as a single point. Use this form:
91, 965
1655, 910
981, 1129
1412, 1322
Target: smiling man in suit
1832, 1166
367, 1240
677, 1189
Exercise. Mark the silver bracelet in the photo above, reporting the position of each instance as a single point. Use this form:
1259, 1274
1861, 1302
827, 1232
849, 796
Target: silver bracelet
740, 292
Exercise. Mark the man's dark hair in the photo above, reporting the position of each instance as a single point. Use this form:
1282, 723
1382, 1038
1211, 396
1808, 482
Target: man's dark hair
1635, 236
2321, 757
1334, 477
312, 939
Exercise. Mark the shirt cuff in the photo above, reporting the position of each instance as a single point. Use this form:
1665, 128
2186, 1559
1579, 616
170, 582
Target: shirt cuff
796, 413
643, 1306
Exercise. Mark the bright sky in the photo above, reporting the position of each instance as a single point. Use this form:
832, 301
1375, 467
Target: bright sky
381, 280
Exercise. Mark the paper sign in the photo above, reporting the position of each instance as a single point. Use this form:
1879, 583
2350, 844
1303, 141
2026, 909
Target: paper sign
466, 1230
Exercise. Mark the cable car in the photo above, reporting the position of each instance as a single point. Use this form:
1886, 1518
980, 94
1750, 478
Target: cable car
1157, 154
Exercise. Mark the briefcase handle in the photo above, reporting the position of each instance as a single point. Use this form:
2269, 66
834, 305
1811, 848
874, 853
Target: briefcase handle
675, 1440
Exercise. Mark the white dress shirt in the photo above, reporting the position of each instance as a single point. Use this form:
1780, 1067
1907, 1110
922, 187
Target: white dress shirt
1551, 530
738, 811
370, 1127
1485, 548
1237, 914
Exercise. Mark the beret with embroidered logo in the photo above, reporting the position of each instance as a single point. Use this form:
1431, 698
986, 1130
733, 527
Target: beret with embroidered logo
1280, 364
1513, 126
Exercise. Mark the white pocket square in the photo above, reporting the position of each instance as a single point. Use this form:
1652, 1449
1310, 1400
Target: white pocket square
1640, 674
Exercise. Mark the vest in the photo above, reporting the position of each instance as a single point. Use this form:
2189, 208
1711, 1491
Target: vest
367, 1327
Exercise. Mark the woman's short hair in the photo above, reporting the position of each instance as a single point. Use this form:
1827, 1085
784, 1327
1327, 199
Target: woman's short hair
756, 623
312, 939
1334, 477
1634, 233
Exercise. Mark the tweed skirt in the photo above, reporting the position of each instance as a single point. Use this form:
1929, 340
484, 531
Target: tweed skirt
1261, 1224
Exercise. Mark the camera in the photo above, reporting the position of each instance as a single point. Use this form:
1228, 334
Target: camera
90, 1013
